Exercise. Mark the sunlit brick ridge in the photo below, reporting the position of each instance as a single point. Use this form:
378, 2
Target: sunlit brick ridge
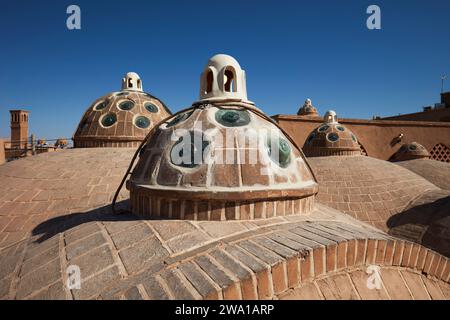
120, 119
243, 166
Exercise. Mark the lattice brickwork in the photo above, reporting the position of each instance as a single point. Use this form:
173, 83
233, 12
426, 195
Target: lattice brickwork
440, 153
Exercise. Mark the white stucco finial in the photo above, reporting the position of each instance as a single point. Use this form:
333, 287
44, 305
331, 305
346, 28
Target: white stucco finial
132, 81
223, 79
330, 117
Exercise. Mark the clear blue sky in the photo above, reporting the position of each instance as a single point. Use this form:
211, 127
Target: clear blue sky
291, 50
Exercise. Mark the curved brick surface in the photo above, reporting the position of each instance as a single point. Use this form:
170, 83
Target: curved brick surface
366, 188
120, 256
426, 220
436, 172
91, 133
38, 188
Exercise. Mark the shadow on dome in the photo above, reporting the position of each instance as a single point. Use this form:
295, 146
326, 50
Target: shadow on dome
427, 223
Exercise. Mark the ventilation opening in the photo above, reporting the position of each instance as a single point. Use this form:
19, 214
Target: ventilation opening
130, 83
363, 150
230, 80
441, 153
209, 82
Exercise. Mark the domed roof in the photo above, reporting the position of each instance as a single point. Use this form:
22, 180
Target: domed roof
436, 172
331, 139
120, 119
366, 188
221, 160
410, 151
308, 109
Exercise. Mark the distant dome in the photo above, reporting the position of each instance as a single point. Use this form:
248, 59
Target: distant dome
331, 139
308, 109
120, 119
410, 151
227, 161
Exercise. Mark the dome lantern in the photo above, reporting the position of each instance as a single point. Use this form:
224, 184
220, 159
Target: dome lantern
223, 79
132, 81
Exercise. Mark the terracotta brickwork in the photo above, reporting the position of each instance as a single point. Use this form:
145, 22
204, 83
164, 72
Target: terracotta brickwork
410, 151
38, 188
119, 120
440, 152
163, 208
126, 258
436, 172
377, 137
368, 189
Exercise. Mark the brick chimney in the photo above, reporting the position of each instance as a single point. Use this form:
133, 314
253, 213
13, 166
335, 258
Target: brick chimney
19, 128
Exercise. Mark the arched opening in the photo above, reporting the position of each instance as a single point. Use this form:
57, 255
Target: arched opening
209, 81
130, 83
230, 80
139, 84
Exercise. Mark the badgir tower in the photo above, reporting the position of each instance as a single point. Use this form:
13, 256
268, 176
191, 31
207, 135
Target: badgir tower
221, 201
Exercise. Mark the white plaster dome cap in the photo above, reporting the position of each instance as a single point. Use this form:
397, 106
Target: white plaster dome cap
223, 80
132, 81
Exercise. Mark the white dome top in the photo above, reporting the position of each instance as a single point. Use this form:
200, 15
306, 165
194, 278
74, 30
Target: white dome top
223, 79
330, 117
132, 81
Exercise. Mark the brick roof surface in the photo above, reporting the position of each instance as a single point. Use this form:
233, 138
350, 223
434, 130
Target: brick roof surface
121, 256
35, 189
366, 188
436, 172
55, 213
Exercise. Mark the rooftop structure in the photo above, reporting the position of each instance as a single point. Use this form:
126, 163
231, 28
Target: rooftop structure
120, 119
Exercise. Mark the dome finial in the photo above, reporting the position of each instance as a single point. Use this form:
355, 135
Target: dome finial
223, 79
330, 117
132, 81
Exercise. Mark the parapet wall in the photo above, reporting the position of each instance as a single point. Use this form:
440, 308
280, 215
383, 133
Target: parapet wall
375, 136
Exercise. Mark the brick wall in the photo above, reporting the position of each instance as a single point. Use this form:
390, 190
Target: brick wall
375, 136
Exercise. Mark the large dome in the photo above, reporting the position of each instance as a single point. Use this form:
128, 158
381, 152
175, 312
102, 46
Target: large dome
221, 160
120, 119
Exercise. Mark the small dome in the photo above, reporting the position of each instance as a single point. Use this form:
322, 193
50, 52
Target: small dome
120, 119
223, 79
331, 139
221, 160
308, 109
410, 151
